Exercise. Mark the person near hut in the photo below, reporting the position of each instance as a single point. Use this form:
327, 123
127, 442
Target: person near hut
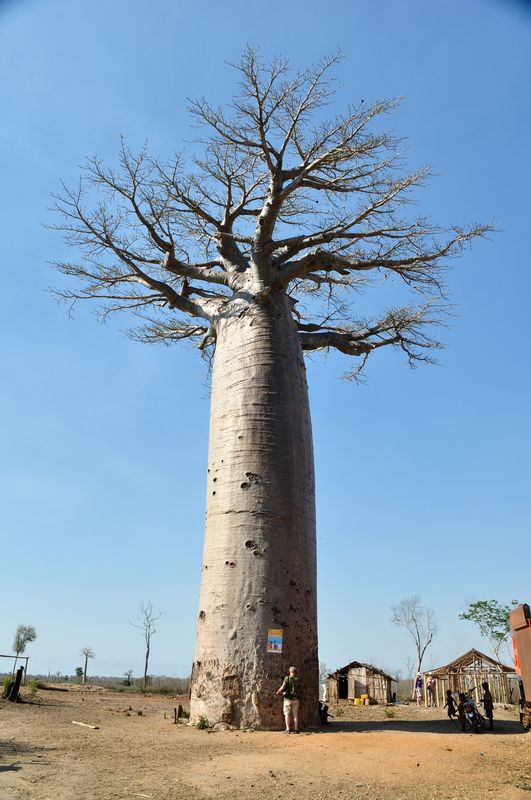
450, 702
323, 714
487, 703
461, 710
290, 690
419, 683
431, 685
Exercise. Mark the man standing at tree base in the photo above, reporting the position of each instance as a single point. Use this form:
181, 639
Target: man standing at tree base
290, 690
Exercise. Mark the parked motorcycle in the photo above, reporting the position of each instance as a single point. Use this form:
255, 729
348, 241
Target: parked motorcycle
473, 719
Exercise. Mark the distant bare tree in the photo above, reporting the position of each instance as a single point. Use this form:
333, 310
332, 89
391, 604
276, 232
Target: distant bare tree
23, 635
128, 675
419, 622
86, 652
145, 623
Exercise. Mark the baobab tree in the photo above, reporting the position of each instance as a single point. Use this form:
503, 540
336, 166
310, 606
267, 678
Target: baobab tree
86, 652
258, 249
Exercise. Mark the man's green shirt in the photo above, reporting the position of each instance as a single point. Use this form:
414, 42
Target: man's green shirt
291, 687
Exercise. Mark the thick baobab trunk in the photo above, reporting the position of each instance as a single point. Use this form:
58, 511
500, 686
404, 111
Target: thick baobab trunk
259, 567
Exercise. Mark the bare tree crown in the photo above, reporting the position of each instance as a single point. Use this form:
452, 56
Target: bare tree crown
277, 200
146, 619
420, 623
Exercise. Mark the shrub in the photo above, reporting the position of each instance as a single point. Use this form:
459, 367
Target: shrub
123, 687
202, 723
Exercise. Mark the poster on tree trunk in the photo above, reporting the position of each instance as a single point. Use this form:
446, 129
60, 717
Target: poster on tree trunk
274, 640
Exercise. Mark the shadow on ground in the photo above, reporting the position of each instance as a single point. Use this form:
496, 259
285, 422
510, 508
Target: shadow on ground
418, 726
16, 755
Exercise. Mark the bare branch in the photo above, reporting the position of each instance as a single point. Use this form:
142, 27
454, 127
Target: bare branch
424, 266
402, 328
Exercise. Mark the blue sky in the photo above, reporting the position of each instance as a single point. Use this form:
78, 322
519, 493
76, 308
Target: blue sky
422, 476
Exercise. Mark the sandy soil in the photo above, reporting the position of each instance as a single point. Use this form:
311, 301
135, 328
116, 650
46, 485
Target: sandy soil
418, 753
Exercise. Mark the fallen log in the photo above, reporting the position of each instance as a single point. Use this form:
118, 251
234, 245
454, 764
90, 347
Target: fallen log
46, 688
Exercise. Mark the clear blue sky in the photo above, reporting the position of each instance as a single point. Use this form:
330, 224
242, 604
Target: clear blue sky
423, 476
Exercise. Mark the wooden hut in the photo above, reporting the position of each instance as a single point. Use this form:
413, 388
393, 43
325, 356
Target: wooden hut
357, 679
471, 670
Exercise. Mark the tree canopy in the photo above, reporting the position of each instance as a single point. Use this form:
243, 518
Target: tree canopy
24, 634
492, 619
274, 196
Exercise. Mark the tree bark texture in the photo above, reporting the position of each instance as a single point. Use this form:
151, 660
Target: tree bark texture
259, 566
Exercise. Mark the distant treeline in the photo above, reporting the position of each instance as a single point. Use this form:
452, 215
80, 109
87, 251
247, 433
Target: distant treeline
159, 684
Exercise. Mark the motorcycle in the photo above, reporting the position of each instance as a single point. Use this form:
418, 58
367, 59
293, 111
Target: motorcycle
473, 719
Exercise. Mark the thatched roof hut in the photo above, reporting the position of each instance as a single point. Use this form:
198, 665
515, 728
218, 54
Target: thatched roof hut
469, 671
357, 679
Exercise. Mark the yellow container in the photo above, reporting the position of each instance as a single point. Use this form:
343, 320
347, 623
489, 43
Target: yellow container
366, 701
358, 701
364, 696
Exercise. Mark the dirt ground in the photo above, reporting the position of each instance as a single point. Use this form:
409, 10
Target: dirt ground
417, 753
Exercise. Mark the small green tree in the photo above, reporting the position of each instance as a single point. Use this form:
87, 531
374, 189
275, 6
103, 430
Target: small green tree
79, 674
23, 635
492, 619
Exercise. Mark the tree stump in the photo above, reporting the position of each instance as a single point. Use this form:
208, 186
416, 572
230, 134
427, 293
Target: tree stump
15, 688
